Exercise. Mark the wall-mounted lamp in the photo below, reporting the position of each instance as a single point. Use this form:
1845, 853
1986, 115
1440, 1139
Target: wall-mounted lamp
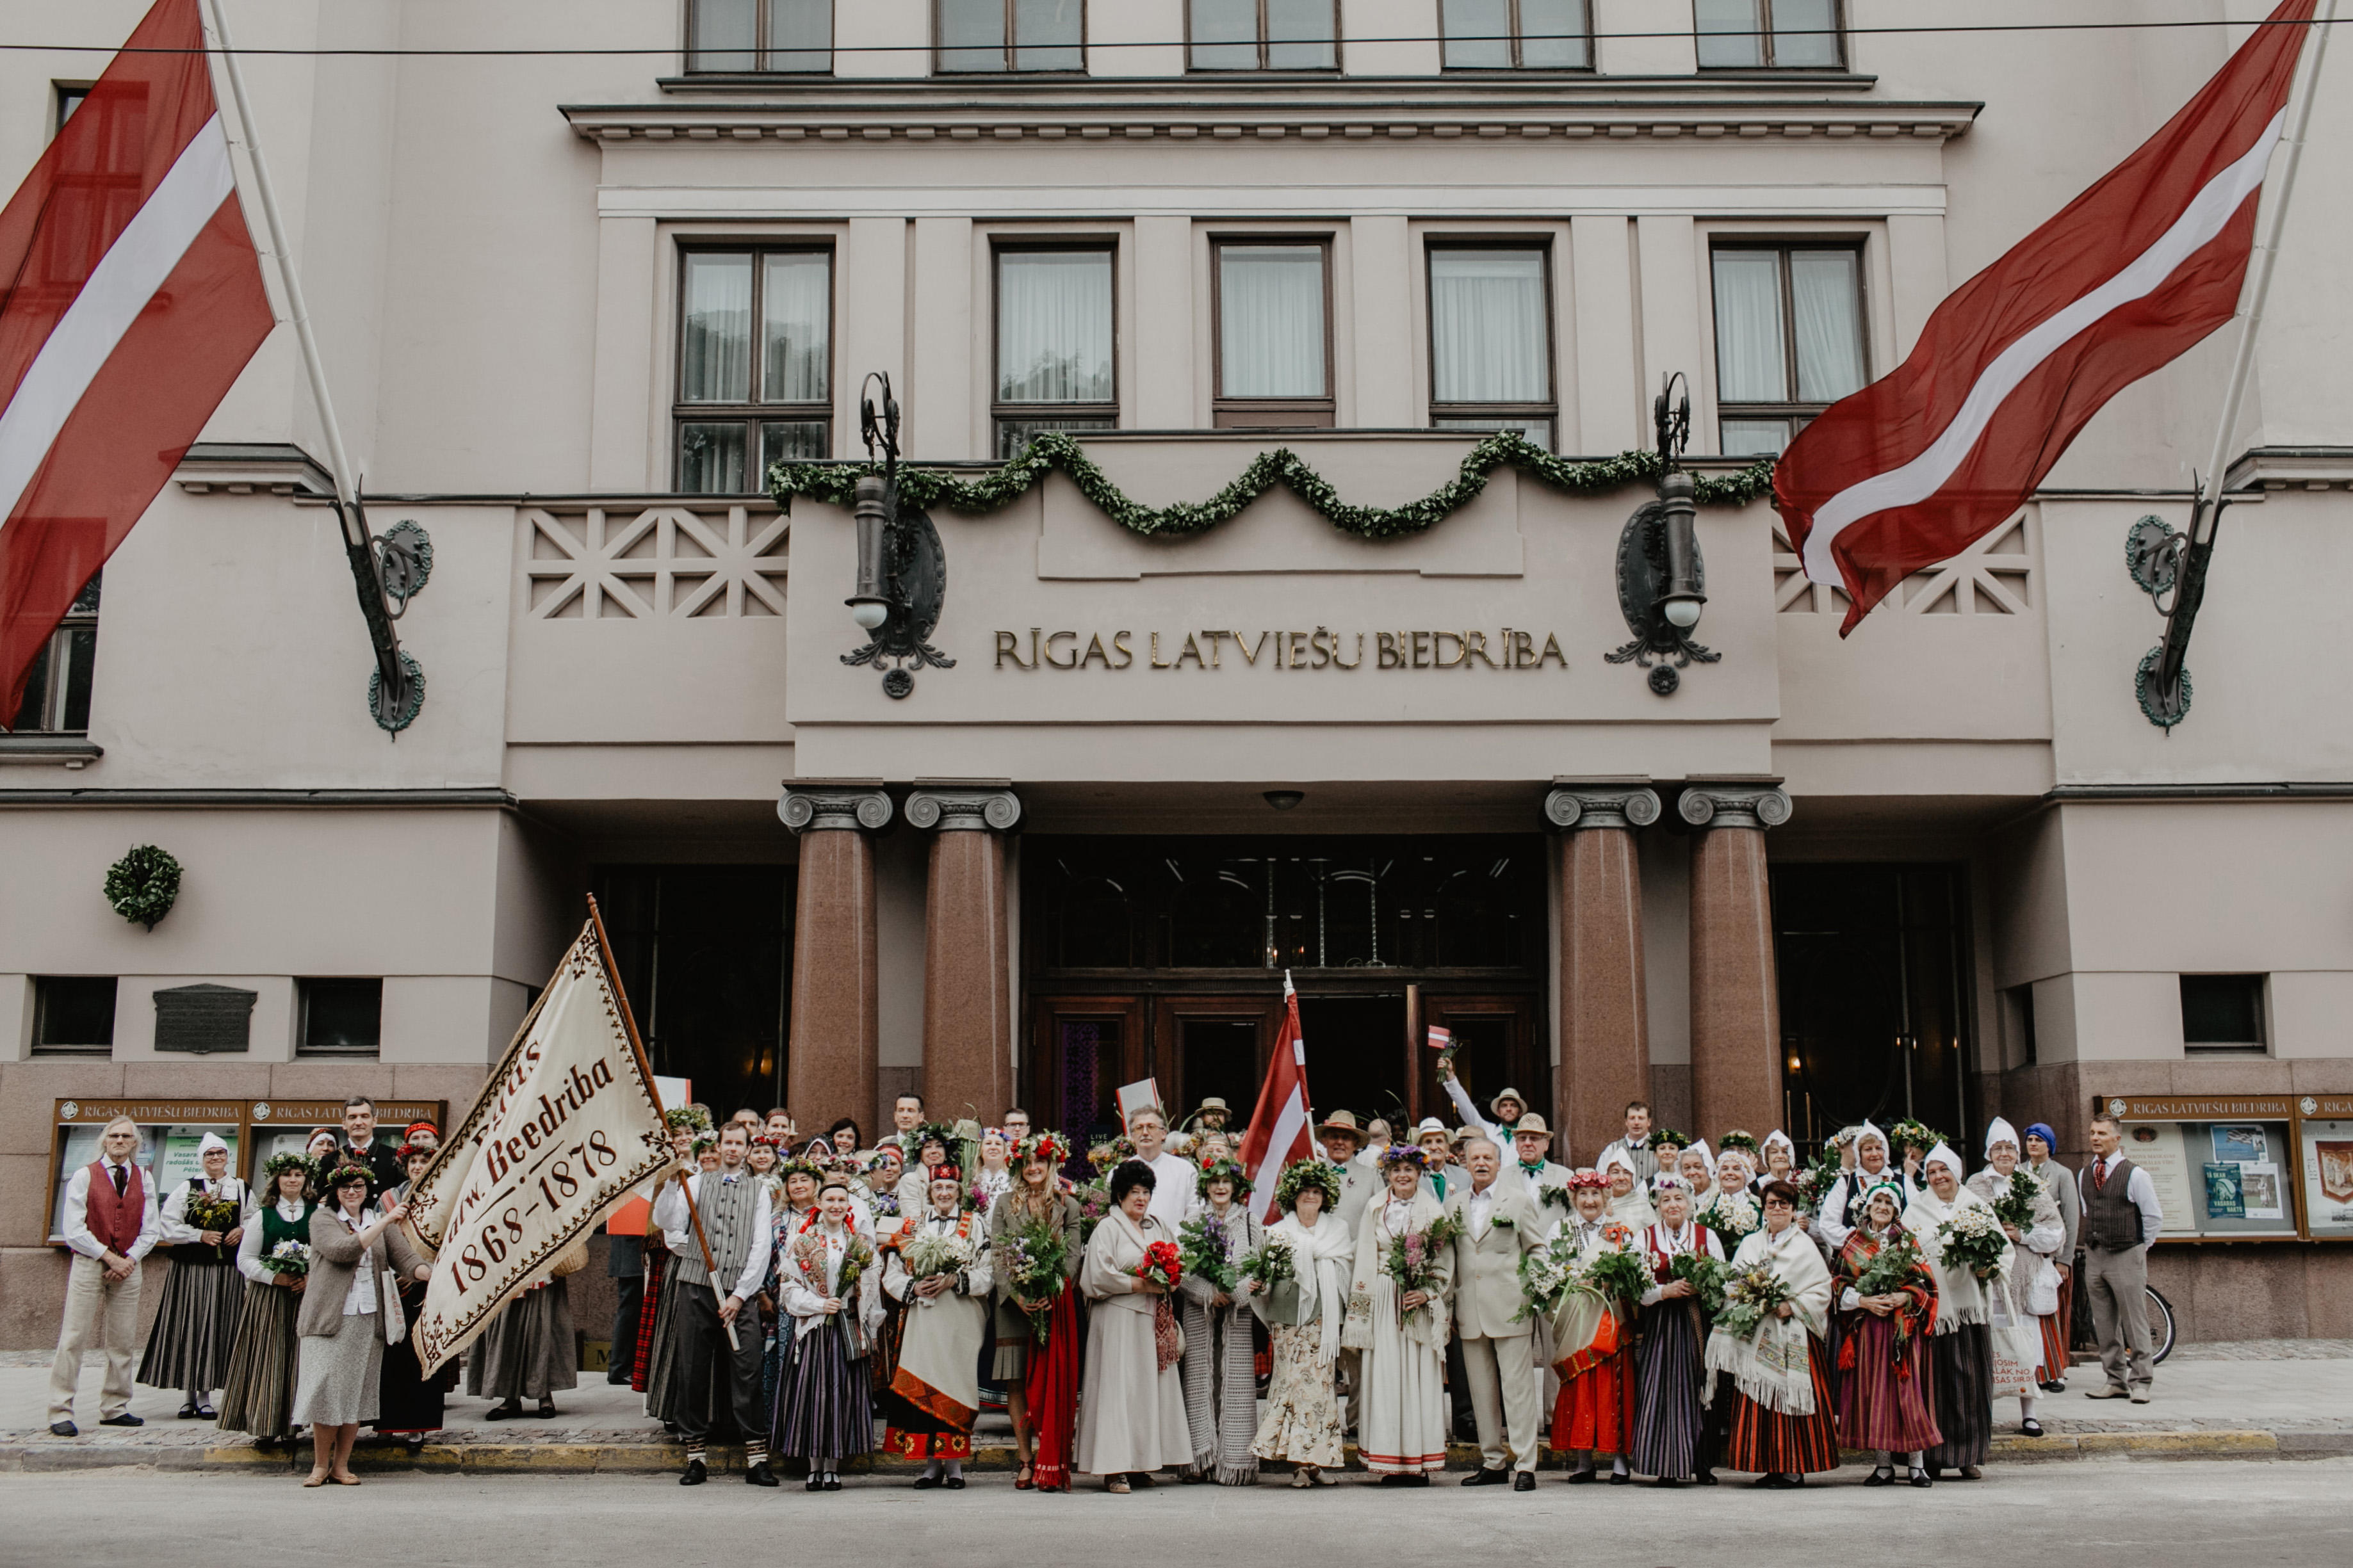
903, 573
1284, 799
1661, 579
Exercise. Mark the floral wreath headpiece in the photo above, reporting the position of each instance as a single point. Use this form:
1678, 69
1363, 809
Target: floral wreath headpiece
799, 1165
1736, 1141
345, 1174
1317, 1173
1227, 1170
278, 1165
1588, 1178
687, 1118
1404, 1155
1668, 1136
1050, 1147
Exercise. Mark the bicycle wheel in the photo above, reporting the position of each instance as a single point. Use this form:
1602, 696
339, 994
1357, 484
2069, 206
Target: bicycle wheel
2160, 1325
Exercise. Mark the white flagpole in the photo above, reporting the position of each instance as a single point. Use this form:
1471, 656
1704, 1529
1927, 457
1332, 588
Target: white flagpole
2204, 517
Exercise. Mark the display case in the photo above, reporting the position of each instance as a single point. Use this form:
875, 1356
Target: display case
282, 1126
2255, 1167
2324, 1164
170, 1131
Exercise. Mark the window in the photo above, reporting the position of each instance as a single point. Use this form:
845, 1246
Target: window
341, 1018
1054, 352
738, 410
1788, 339
1012, 34
745, 36
56, 688
68, 96
1490, 340
2222, 1012
1526, 34
1781, 35
73, 1014
1262, 36
2020, 1003
1274, 355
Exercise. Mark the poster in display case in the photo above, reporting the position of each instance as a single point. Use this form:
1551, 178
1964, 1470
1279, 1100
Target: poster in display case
2324, 1164
2214, 1161
170, 1130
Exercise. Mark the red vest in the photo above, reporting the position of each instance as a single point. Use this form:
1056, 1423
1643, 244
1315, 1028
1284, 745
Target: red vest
115, 1221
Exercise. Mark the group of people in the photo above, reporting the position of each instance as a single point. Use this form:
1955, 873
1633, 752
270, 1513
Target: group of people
1673, 1310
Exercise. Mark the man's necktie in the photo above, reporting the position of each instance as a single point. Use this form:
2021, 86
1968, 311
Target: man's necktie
2100, 1174
122, 1180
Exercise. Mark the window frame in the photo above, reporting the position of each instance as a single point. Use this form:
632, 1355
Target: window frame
57, 667
1001, 412
1799, 413
761, 45
752, 412
303, 1048
1235, 412
1549, 411
1765, 35
38, 1046
2259, 984
1587, 68
1012, 47
1334, 67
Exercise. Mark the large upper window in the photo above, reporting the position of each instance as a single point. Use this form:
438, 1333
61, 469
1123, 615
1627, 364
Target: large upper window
56, 688
1011, 35
745, 36
1525, 35
1490, 340
755, 365
1263, 35
1788, 339
1054, 354
1274, 350
1783, 35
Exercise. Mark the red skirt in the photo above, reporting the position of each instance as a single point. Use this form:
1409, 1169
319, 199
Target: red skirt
1595, 1412
1051, 1391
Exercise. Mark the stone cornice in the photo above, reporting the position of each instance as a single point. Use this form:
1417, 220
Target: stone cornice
1733, 803
1601, 802
834, 804
964, 805
2291, 468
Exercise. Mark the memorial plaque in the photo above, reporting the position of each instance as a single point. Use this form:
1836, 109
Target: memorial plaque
203, 1018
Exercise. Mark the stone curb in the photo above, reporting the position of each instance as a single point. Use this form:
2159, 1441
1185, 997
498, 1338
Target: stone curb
645, 1458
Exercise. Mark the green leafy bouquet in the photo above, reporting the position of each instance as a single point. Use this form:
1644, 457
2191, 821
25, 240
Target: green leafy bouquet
928, 1254
1624, 1271
1890, 1270
1705, 1275
1204, 1242
2015, 1205
1029, 1265
1271, 1265
1749, 1297
1815, 1182
213, 1214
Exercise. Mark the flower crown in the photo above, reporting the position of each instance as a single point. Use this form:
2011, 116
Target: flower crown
1737, 1140
799, 1165
938, 1133
1404, 1155
1324, 1178
347, 1173
1050, 1147
1668, 1135
1587, 1179
705, 1142
278, 1165
1912, 1133
1222, 1171
687, 1118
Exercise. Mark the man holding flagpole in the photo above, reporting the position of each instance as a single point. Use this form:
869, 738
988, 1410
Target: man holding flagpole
720, 1234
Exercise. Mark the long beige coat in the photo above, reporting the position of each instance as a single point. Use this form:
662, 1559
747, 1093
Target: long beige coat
1132, 1416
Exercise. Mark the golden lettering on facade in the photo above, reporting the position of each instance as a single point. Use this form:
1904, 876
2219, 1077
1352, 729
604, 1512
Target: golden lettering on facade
1318, 648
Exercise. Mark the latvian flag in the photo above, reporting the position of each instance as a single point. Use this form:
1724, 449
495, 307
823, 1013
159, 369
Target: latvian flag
131, 297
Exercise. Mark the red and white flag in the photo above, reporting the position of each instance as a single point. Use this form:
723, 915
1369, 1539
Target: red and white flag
1278, 1127
131, 298
1916, 465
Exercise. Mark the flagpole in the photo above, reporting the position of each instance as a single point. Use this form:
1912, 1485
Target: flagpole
398, 690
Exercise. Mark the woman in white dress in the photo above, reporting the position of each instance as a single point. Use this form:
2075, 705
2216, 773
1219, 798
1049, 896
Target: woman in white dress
1401, 1331
1132, 1418
1303, 1421
2029, 1291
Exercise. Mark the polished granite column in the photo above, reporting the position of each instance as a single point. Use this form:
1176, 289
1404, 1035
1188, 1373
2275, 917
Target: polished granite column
967, 948
832, 1044
1735, 1013
1605, 1039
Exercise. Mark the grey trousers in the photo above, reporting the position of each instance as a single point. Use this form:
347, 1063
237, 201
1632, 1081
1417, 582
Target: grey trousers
2119, 1282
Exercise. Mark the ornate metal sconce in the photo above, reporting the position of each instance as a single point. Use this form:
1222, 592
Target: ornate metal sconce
389, 569
1661, 580
903, 572
2165, 562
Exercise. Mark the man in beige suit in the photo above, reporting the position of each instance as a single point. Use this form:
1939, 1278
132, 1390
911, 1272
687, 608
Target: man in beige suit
1496, 1223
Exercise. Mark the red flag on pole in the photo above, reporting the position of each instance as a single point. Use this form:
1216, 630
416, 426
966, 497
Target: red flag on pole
131, 298
1278, 1127
1921, 463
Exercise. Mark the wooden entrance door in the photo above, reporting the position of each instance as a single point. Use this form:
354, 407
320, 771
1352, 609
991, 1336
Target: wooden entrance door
1082, 1050
1497, 1038
1205, 1045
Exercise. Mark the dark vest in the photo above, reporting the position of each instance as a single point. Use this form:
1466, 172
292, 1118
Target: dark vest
2111, 1219
276, 1228
727, 1210
115, 1221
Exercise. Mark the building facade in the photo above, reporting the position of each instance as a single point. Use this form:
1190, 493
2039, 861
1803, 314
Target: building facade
574, 304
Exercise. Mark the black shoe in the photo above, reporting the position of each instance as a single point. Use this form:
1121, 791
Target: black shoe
547, 1408
1768, 1480
1524, 1481
2030, 1428
188, 1411
125, 1419
64, 1429
1666, 1482
759, 1475
1707, 1479
1486, 1477
954, 1483
1971, 1473
503, 1413
833, 1483
1920, 1478
696, 1474
205, 1412
925, 1483
1883, 1477
1580, 1477
815, 1483
1619, 1477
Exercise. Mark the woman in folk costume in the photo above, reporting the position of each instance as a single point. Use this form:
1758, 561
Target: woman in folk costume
1592, 1346
204, 1221
1037, 1321
1782, 1426
1780, 1157
1962, 1354
1219, 1362
2042, 1142
1669, 1420
791, 1207
1303, 1421
934, 1146
1885, 1389
761, 1161
1697, 1168
1132, 1421
257, 1395
1629, 1204
2017, 1304
528, 1352
408, 1404
938, 1270
1842, 1208
993, 1179
824, 1410
1732, 1211
1400, 1325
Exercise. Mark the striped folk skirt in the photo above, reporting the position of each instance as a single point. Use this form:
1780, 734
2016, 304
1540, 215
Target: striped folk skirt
1765, 1442
529, 1350
825, 1404
1883, 1403
1669, 1422
1221, 1392
257, 1395
1963, 1363
195, 1323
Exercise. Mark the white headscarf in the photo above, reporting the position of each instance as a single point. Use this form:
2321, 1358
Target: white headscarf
2001, 1131
1960, 1294
1699, 1146
1777, 1136
1944, 1155
1870, 1129
211, 1141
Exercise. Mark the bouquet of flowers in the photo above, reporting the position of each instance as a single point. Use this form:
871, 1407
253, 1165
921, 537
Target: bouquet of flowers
1706, 1276
1733, 1216
1095, 1203
1163, 1262
885, 1203
1890, 1269
1029, 1265
290, 1258
213, 1213
687, 1118
2014, 1206
1623, 1272
1104, 1156
1413, 1259
929, 1253
1815, 1182
1750, 1297
975, 1199
1203, 1243
1274, 1267
1545, 1276
1972, 1239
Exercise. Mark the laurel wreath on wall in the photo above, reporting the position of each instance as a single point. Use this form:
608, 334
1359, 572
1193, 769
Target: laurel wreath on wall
143, 885
837, 484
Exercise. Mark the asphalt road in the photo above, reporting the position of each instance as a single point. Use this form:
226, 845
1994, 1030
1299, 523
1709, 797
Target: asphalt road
2084, 1513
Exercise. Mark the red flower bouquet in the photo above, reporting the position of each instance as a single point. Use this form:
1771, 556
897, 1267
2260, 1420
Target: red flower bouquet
1162, 1260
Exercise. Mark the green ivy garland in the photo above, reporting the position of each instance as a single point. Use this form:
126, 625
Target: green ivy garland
837, 484
143, 885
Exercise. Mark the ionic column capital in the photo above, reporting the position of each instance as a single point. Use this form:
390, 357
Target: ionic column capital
834, 804
1601, 802
1734, 802
964, 805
